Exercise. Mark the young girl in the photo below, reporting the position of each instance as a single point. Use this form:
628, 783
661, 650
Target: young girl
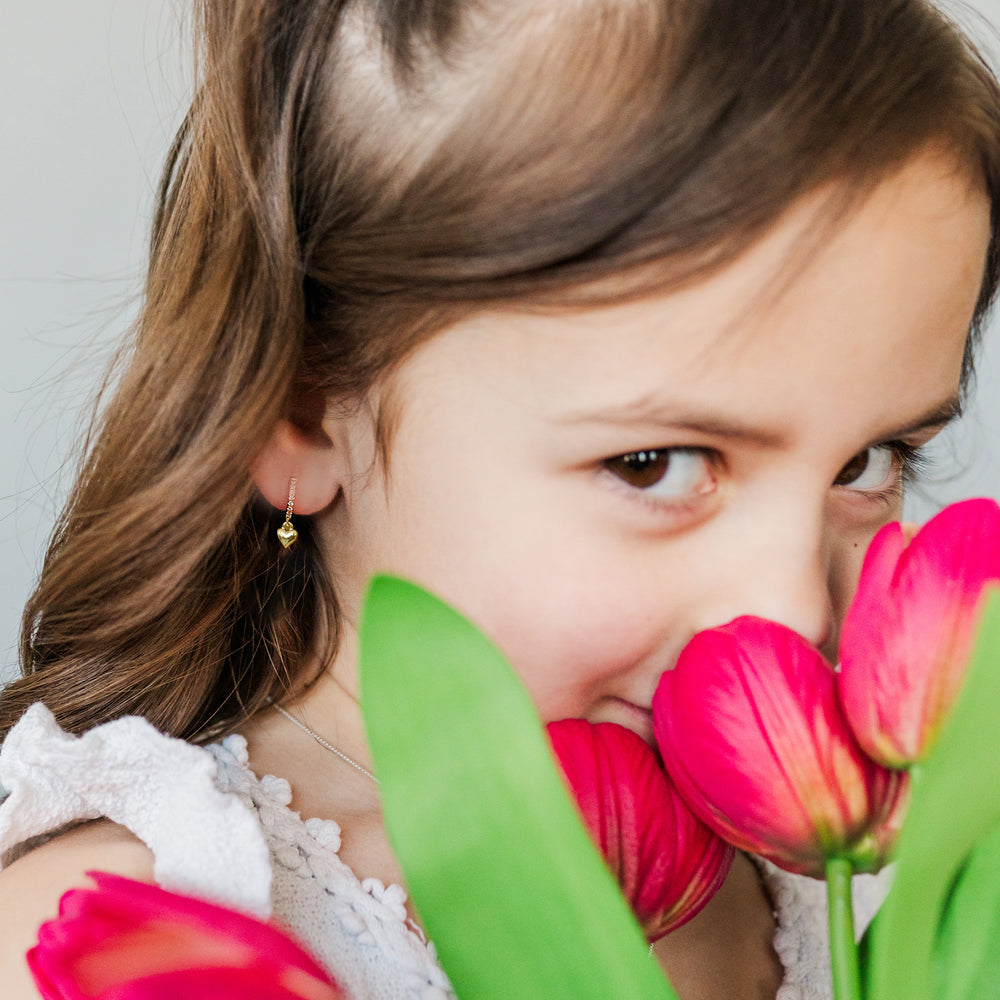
604, 320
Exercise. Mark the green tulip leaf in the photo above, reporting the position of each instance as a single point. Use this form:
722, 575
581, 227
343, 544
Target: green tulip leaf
922, 936
499, 866
967, 952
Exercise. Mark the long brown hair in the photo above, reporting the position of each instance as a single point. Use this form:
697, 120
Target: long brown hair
354, 175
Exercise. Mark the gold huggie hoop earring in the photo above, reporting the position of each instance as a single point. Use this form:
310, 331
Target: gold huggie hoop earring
286, 533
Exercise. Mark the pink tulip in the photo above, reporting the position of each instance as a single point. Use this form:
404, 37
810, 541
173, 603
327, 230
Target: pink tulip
130, 940
907, 637
752, 733
667, 862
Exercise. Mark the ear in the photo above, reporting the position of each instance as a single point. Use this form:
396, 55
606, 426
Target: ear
310, 457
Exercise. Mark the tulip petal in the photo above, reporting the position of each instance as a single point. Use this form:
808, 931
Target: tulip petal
882, 557
907, 636
752, 733
131, 940
667, 862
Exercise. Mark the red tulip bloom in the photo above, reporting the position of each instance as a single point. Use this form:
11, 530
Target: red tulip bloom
129, 940
908, 634
667, 862
751, 731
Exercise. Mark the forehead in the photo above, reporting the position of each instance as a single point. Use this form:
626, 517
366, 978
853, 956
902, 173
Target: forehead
868, 312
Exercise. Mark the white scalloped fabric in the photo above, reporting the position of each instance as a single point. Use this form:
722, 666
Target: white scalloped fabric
204, 842
359, 930
801, 940
218, 832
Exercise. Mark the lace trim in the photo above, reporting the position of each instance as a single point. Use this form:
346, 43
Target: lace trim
368, 911
801, 938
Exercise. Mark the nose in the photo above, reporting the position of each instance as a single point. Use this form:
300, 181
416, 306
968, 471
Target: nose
776, 566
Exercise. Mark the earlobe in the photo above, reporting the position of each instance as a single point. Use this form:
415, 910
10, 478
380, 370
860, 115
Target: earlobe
310, 459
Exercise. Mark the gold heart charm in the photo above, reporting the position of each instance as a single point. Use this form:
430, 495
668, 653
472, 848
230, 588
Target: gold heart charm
287, 534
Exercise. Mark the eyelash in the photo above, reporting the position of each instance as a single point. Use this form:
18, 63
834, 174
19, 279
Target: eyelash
910, 462
913, 461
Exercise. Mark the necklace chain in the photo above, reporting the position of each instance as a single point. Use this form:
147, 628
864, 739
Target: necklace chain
327, 746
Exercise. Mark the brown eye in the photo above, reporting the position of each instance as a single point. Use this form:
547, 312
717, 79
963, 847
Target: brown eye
669, 474
871, 469
641, 469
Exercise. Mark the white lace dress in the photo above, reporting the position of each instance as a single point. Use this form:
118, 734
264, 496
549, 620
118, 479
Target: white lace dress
218, 831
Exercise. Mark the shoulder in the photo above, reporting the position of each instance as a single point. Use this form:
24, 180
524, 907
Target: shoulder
31, 887
185, 803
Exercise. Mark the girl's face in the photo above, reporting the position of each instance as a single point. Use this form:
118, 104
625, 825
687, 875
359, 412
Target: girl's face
592, 489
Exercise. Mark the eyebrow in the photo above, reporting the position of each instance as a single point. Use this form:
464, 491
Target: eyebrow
938, 416
648, 411
644, 411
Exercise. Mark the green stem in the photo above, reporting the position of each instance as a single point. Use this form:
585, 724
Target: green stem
843, 948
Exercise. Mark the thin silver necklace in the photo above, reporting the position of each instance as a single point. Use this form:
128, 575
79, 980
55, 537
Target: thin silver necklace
327, 746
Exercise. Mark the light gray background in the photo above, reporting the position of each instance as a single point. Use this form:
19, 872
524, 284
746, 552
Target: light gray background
92, 92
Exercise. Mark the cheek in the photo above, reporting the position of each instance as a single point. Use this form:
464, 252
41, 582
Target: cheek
572, 632
845, 569
847, 541
569, 609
